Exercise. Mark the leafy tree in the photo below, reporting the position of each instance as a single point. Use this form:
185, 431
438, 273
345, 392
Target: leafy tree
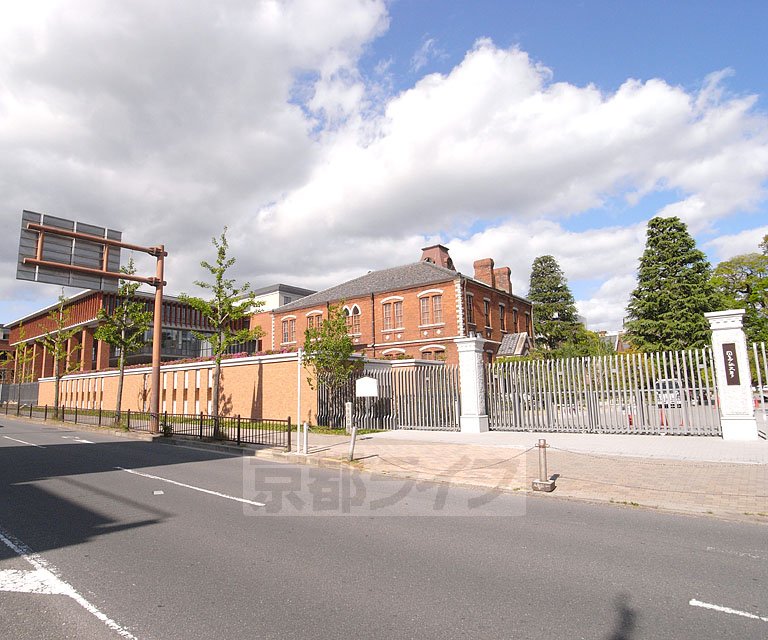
125, 327
554, 309
742, 282
56, 342
22, 357
666, 309
582, 343
328, 350
227, 305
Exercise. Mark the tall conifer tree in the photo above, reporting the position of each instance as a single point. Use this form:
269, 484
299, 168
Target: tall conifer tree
554, 309
666, 309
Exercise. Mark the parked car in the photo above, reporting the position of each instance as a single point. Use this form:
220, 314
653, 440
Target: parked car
669, 392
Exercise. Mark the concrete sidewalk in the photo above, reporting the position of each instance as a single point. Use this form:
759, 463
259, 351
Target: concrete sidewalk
698, 475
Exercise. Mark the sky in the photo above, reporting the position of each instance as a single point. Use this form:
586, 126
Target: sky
337, 137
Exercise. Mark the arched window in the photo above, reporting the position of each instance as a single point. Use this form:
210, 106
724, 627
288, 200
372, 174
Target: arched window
353, 319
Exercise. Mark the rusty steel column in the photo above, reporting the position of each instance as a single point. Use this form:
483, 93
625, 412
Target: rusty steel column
157, 339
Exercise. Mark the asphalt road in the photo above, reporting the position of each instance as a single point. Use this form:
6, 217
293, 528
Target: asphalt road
103, 537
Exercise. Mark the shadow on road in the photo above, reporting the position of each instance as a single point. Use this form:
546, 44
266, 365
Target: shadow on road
36, 484
626, 619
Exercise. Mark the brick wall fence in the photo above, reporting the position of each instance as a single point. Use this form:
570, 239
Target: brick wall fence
256, 387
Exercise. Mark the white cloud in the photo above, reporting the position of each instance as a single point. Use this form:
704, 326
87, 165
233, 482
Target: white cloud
169, 120
726, 247
428, 51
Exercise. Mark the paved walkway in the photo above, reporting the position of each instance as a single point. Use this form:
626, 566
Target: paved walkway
682, 474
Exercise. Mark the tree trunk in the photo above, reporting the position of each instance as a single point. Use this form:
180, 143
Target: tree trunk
119, 400
216, 374
56, 379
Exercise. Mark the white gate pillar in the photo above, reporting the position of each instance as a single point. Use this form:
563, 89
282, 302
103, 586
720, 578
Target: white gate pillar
474, 418
729, 347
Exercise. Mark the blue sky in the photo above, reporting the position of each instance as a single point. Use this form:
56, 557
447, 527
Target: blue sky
337, 137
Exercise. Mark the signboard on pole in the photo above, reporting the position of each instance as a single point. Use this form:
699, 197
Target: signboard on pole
66, 250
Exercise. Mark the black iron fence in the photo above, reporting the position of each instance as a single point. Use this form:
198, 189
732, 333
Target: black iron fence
267, 432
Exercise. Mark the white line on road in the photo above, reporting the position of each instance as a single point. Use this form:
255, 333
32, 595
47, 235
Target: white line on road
31, 444
45, 579
194, 488
76, 439
736, 612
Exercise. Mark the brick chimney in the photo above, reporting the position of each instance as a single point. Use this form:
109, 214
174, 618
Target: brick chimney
484, 271
503, 276
437, 254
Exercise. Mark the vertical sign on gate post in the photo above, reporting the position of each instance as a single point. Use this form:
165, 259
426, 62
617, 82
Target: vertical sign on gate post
729, 346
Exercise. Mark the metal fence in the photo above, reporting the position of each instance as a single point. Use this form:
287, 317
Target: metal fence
267, 432
23, 393
649, 393
759, 369
420, 397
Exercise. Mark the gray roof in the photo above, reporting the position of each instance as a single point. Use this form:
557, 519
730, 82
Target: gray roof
515, 344
410, 275
283, 288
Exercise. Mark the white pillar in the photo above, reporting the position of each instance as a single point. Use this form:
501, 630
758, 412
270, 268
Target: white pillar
729, 347
474, 418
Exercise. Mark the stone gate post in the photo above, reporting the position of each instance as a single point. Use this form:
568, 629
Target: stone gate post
729, 348
474, 418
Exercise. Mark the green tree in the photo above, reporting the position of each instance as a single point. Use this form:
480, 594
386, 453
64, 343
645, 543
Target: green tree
554, 309
226, 306
742, 282
125, 327
666, 309
582, 342
22, 357
56, 341
328, 350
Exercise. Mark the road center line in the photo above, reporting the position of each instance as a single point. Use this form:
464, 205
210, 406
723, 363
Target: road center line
194, 488
31, 444
45, 579
736, 612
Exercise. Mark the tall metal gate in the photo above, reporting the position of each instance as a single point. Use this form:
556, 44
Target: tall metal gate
759, 370
420, 397
650, 393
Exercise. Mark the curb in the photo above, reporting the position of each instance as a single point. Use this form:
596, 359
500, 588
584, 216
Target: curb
80, 426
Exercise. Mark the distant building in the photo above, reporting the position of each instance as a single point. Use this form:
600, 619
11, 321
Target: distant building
178, 324
411, 311
615, 340
277, 295
6, 356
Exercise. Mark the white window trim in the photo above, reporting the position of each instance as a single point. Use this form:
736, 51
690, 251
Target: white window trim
392, 299
315, 312
432, 347
388, 351
429, 292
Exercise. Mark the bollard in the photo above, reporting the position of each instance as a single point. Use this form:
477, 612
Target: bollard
352, 443
306, 439
543, 483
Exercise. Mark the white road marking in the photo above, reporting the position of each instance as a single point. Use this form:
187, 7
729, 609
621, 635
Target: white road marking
76, 439
736, 612
45, 579
31, 444
194, 488
158, 493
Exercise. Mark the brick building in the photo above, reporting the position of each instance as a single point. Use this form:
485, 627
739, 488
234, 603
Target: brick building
179, 322
412, 311
6, 356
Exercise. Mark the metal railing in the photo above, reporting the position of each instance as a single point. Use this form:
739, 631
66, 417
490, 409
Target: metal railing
420, 397
266, 432
759, 371
649, 393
